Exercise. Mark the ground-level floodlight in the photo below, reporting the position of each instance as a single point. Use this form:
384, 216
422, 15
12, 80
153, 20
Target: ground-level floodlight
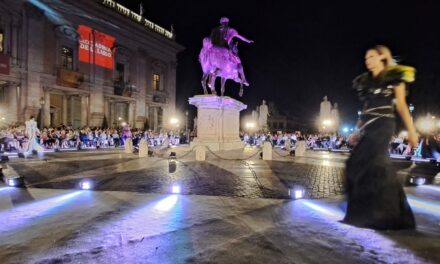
176, 189
14, 181
86, 185
417, 180
296, 192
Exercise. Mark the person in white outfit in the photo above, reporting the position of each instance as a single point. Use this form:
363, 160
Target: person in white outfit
31, 132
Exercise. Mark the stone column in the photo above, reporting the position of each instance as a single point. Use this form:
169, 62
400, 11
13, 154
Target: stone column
131, 113
56, 122
106, 111
112, 114
170, 109
64, 121
141, 88
15, 42
84, 110
33, 31
155, 121
12, 114
147, 115
46, 107
72, 108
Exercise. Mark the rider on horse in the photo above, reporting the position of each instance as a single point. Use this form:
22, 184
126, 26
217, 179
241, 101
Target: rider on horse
222, 36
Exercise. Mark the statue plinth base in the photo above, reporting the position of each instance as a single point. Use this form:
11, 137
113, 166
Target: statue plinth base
218, 122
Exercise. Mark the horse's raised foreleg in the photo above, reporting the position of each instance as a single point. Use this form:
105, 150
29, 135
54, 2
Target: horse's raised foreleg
241, 73
223, 80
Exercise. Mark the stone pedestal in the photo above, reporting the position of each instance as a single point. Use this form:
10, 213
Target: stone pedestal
200, 152
128, 146
287, 144
218, 121
267, 151
143, 148
300, 148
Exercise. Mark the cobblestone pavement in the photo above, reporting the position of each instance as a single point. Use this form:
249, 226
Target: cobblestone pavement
233, 174
133, 219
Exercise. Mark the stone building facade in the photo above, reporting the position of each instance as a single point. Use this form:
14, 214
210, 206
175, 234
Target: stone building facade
43, 74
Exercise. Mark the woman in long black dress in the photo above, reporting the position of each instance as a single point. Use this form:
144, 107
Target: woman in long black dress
375, 196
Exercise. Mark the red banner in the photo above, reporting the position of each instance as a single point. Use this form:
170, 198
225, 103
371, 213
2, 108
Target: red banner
4, 64
95, 47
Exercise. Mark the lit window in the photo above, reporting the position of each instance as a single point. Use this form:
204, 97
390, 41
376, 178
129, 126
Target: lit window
67, 58
1, 41
156, 82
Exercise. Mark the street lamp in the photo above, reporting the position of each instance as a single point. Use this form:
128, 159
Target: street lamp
250, 125
425, 124
327, 122
42, 102
174, 122
359, 113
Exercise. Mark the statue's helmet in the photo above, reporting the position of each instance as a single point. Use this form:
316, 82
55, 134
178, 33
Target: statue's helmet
224, 20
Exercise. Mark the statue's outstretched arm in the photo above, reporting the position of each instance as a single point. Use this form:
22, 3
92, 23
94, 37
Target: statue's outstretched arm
235, 34
243, 38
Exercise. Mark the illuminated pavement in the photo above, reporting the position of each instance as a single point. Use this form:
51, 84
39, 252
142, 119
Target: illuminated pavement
237, 215
319, 173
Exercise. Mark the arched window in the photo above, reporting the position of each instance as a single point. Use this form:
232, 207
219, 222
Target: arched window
156, 82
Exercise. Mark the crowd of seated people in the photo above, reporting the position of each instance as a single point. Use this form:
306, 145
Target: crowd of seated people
428, 147
312, 140
14, 138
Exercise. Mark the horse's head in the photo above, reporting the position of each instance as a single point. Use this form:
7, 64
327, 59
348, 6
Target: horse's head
207, 43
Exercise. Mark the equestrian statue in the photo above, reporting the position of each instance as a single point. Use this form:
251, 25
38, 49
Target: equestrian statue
219, 58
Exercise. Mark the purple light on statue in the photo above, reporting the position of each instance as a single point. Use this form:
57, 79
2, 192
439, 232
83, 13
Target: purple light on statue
218, 60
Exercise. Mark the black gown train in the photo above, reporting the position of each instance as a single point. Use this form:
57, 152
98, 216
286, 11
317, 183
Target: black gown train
375, 196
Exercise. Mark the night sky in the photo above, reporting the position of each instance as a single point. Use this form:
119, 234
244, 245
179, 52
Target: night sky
305, 50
